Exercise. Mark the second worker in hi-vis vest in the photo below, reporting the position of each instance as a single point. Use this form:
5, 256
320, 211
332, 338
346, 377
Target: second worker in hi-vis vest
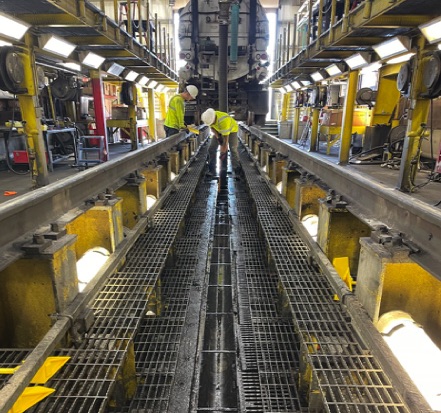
225, 130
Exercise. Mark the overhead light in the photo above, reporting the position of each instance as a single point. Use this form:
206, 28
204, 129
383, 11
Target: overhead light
115, 69
143, 80
334, 69
152, 84
71, 65
392, 47
12, 28
373, 67
160, 88
56, 45
131, 75
91, 59
400, 59
296, 85
317, 76
358, 60
305, 82
3, 43
432, 30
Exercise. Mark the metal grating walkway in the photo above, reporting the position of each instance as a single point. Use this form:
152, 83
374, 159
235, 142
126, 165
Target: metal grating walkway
345, 377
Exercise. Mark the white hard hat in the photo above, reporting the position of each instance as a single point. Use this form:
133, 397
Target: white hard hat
208, 116
192, 90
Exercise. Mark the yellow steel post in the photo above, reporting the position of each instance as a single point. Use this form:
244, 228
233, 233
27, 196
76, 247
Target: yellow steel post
388, 279
153, 175
314, 130
116, 11
418, 115
42, 283
295, 125
307, 197
339, 232
348, 114
140, 23
134, 195
99, 226
332, 20
285, 105
31, 113
388, 96
320, 21
132, 119
345, 24
162, 105
152, 119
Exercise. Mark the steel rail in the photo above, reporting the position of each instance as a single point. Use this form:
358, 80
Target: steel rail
26, 213
373, 202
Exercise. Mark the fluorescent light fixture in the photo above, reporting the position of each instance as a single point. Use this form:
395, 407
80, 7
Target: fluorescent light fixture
373, 67
305, 82
432, 30
317, 76
296, 85
401, 59
160, 88
131, 75
3, 43
358, 60
56, 45
334, 70
152, 84
91, 59
115, 69
71, 65
392, 47
12, 28
143, 80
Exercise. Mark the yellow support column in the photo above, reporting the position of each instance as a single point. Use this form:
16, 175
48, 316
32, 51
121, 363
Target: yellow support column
164, 161
174, 161
339, 231
134, 196
307, 197
133, 119
34, 288
348, 115
418, 115
184, 149
31, 113
279, 162
162, 105
289, 183
314, 130
99, 226
153, 176
388, 279
285, 105
295, 125
152, 118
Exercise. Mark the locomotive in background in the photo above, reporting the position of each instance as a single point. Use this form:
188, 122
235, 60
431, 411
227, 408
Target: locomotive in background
248, 36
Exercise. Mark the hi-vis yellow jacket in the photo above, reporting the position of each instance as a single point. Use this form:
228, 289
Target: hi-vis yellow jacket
224, 124
175, 114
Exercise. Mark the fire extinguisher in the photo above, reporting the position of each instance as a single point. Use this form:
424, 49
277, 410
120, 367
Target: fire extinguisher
91, 128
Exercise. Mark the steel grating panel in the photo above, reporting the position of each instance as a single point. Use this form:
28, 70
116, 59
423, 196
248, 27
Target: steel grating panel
346, 377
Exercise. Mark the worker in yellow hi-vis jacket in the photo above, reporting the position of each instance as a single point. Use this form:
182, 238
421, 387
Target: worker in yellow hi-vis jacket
225, 130
174, 120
